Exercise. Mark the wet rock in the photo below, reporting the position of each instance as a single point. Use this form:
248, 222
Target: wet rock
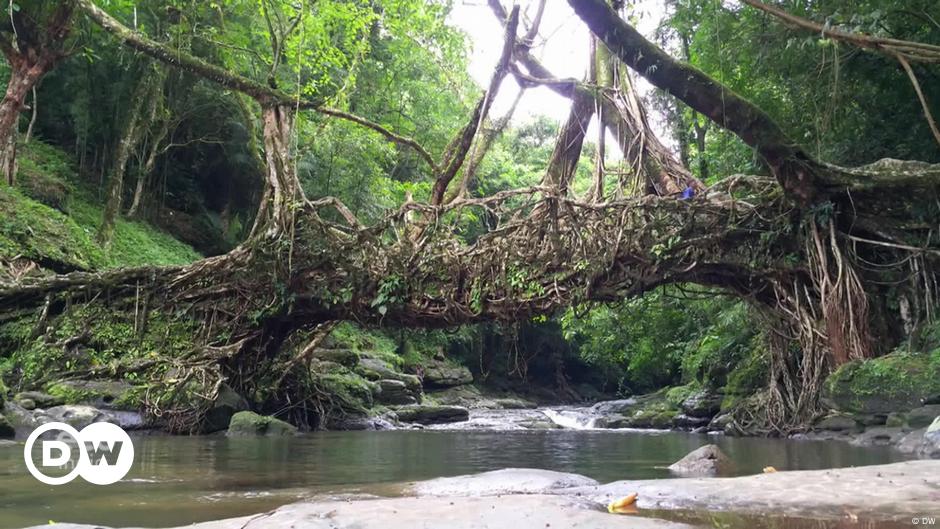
466, 396
375, 369
425, 414
247, 424
688, 422
514, 404
532, 511
227, 404
879, 436
912, 442
836, 423
443, 375
610, 407
882, 492
394, 392
37, 399
504, 481
922, 417
76, 415
702, 404
707, 460
353, 423
896, 420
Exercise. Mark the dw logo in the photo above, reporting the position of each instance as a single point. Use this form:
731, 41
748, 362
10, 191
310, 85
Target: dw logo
105, 453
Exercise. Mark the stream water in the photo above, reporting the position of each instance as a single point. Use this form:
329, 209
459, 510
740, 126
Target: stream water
180, 480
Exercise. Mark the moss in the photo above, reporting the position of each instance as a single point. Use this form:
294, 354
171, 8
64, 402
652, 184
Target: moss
246, 423
32, 229
3, 393
372, 343
347, 390
107, 338
70, 394
676, 395
895, 382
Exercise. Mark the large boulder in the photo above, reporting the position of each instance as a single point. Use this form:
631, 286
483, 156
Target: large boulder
702, 404
425, 414
922, 417
836, 423
36, 399
376, 369
614, 407
394, 392
225, 406
343, 357
707, 460
444, 375
248, 424
899, 381
107, 394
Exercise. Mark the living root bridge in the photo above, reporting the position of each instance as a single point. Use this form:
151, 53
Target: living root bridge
547, 252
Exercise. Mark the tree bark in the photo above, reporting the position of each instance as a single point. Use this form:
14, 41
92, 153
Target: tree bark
23, 77
31, 53
144, 91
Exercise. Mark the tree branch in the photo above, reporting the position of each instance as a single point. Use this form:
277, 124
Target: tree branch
794, 169
457, 152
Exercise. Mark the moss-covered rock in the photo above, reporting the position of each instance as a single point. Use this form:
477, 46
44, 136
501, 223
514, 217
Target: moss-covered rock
899, 381
227, 404
246, 423
423, 414
439, 374
37, 399
110, 394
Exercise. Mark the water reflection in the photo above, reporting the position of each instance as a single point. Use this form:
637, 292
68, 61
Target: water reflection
180, 480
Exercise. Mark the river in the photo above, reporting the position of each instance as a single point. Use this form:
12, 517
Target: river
180, 480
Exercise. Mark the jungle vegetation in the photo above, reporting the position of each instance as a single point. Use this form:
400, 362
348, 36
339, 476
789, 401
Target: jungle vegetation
219, 184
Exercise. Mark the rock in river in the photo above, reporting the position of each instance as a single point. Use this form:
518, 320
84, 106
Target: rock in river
708, 460
423, 414
246, 423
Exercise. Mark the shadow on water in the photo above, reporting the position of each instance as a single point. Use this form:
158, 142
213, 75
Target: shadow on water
181, 480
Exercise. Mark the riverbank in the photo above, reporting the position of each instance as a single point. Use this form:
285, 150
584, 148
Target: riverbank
529, 498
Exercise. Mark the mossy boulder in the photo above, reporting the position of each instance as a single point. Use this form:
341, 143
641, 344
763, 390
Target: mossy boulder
921, 417
108, 394
837, 423
444, 375
376, 369
899, 381
37, 399
248, 424
423, 414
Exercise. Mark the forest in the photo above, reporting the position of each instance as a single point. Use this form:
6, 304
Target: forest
316, 215
267, 218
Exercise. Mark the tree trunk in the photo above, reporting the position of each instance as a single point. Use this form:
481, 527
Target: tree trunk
156, 141
23, 77
282, 190
143, 92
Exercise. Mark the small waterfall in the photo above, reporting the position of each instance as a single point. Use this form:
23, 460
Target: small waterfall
572, 419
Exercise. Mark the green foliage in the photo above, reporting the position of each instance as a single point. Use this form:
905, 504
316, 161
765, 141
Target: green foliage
103, 338
660, 340
65, 242
897, 381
